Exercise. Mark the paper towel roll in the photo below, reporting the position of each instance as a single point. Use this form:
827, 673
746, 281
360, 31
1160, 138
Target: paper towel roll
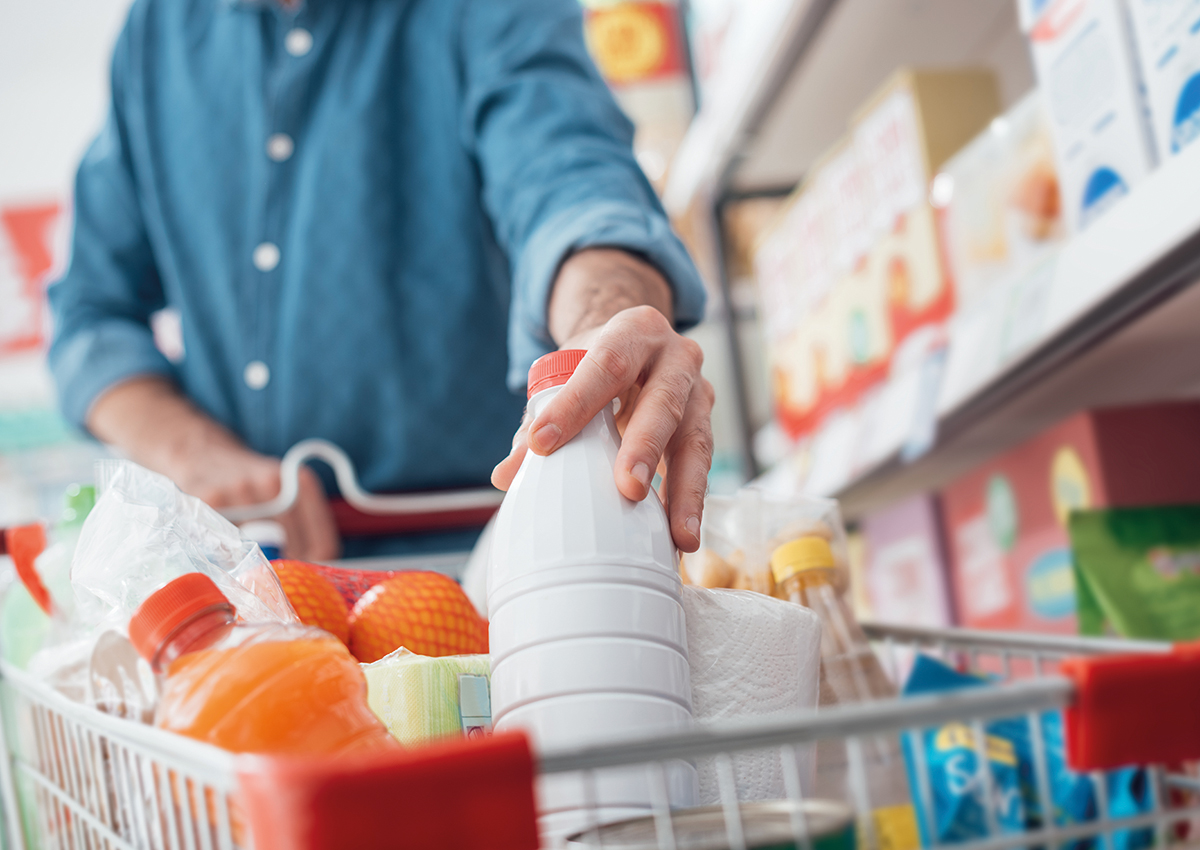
751, 656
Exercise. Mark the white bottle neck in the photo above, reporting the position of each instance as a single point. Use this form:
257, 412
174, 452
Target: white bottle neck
540, 399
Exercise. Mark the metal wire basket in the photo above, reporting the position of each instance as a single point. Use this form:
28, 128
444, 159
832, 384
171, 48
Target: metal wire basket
73, 777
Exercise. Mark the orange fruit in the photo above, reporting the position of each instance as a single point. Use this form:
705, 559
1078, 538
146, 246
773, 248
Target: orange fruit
426, 613
316, 600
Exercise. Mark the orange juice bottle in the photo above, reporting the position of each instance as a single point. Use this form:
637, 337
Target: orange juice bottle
259, 687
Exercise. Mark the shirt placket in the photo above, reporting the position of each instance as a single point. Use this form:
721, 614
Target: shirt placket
291, 43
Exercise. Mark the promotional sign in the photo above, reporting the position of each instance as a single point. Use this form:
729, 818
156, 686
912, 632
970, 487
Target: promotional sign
634, 42
26, 258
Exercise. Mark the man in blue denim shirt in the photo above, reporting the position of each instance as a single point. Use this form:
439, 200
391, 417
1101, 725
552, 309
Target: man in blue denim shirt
371, 215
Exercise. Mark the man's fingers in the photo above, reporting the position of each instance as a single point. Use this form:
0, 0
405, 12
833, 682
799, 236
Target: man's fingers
506, 470
689, 456
658, 415
615, 363
235, 483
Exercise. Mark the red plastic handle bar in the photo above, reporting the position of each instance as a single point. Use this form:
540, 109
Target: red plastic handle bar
1134, 709
451, 795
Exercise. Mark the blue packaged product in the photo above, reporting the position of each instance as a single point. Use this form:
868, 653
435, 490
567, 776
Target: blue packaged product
958, 807
956, 780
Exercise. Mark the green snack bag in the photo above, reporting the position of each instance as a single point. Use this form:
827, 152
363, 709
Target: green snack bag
1137, 571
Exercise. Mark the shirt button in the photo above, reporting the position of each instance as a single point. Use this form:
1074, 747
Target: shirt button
280, 147
266, 256
257, 375
298, 41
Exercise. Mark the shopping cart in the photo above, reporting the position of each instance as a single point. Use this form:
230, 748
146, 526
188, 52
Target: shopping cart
73, 777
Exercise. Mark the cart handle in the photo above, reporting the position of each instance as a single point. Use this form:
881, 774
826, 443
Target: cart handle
352, 491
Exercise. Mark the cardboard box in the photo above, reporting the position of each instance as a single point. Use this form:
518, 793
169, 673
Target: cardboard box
1168, 41
1084, 56
1000, 202
905, 571
1006, 521
854, 264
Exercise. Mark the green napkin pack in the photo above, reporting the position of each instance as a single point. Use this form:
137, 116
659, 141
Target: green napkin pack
1137, 572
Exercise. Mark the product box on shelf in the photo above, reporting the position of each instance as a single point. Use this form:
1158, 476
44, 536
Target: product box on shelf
854, 265
1001, 219
1000, 202
1086, 64
1168, 41
905, 571
1006, 521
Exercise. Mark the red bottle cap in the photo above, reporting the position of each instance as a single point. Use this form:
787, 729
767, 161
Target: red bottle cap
553, 369
169, 607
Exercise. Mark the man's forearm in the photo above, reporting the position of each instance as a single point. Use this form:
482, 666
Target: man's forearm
595, 284
152, 423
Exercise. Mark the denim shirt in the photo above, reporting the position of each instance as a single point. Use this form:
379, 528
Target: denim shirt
358, 208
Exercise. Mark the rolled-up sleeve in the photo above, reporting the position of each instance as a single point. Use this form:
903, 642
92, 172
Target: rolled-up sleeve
556, 158
102, 304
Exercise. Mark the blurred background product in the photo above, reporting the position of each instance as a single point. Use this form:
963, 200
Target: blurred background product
1169, 58
1086, 63
1006, 522
905, 573
1138, 571
853, 267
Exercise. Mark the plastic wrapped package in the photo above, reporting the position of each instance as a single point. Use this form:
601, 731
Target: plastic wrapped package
740, 532
420, 698
958, 802
143, 533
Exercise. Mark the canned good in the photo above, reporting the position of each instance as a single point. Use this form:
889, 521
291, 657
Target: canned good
765, 826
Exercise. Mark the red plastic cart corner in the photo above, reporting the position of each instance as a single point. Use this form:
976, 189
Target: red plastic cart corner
1134, 709
453, 795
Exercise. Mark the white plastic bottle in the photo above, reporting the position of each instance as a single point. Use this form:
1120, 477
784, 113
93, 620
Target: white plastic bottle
587, 636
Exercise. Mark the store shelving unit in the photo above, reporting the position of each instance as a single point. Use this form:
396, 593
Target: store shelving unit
1113, 320
1118, 322
795, 70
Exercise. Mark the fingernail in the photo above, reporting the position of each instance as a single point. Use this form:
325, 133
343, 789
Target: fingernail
641, 473
546, 437
693, 526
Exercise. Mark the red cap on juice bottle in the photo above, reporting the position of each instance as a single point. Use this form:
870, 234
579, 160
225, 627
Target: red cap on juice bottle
170, 607
553, 369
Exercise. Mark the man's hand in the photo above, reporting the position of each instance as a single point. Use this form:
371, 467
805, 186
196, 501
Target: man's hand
156, 426
618, 308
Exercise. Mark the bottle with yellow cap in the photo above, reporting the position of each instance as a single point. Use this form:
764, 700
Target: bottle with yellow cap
806, 573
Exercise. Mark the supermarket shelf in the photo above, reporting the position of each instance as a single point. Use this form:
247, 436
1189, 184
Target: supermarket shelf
1119, 323
795, 71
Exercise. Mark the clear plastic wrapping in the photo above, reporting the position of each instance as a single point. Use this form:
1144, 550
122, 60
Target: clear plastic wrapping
740, 532
144, 532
